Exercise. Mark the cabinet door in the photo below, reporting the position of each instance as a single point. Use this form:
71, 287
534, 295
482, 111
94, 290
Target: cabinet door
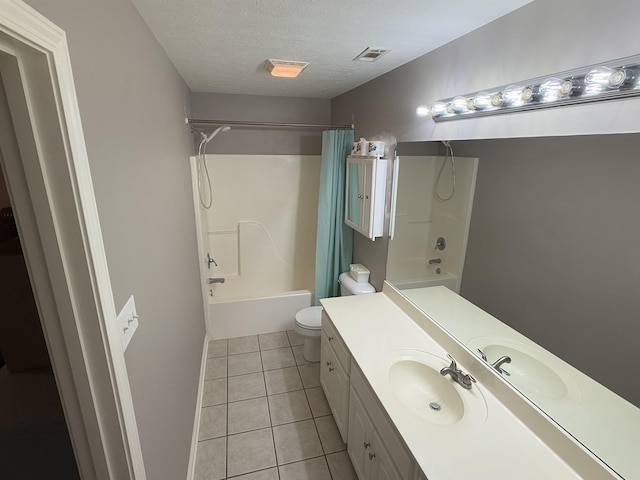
359, 443
382, 467
366, 189
326, 379
354, 197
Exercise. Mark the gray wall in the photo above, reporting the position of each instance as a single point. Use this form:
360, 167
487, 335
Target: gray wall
553, 247
133, 104
256, 108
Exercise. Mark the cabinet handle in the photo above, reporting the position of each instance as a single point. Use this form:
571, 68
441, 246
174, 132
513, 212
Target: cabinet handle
328, 364
331, 369
372, 456
330, 338
367, 445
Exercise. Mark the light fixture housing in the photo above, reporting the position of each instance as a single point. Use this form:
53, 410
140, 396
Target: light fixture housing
285, 68
606, 81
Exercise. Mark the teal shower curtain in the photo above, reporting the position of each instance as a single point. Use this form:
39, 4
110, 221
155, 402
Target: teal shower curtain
334, 242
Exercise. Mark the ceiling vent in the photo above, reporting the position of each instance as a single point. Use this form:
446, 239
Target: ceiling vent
370, 54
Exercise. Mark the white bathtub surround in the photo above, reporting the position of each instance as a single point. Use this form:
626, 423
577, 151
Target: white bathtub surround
515, 440
262, 226
260, 234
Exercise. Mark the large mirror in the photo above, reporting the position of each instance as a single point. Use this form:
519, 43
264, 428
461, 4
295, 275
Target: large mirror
553, 251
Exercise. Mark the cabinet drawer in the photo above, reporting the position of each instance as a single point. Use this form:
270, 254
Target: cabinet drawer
395, 446
336, 342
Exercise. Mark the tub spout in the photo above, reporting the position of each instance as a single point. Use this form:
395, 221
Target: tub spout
215, 280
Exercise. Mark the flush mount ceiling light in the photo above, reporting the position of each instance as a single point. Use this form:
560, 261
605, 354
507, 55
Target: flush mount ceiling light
607, 81
284, 68
370, 54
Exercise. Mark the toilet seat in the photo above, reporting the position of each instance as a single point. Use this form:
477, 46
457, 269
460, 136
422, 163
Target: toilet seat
308, 321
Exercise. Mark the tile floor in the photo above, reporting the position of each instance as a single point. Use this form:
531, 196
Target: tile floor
265, 416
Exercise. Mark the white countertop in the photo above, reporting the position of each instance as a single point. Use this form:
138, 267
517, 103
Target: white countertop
603, 421
500, 447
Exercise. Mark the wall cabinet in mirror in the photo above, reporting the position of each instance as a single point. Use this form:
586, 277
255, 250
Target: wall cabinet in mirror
366, 180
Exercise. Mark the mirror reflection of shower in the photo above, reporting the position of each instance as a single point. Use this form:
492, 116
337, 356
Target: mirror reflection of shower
206, 200
448, 154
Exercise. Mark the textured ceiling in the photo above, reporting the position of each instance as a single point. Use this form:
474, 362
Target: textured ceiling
220, 46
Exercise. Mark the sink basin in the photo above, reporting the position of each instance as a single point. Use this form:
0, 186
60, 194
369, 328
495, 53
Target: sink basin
532, 370
416, 383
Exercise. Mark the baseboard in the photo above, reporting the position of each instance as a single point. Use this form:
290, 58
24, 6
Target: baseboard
191, 469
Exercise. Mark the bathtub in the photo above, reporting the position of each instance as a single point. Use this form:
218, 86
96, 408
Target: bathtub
448, 280
237, 317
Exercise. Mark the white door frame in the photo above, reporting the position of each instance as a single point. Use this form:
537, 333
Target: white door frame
44, 160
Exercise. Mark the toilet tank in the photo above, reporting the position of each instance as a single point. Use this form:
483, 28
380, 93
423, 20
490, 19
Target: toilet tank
348, 286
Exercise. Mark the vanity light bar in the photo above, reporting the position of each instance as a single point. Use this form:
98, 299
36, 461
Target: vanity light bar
607, 81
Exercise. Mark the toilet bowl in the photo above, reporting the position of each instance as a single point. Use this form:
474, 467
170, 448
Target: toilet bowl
308, 321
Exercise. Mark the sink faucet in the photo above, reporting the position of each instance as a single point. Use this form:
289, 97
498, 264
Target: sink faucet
501, 361
498, 363
463, 379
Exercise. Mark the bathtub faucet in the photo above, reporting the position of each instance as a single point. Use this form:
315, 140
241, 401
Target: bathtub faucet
215, 280
434, 260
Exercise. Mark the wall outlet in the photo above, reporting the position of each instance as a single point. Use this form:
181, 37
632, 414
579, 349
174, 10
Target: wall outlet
127, 322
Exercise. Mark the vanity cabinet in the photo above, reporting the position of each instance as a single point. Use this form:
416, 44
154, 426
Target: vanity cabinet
373, 445
366, 181
369, 457
334, 374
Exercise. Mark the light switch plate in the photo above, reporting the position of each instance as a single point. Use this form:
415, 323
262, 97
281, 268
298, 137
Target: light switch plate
127, 322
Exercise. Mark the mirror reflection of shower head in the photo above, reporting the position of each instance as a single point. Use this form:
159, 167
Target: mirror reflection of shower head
224, 128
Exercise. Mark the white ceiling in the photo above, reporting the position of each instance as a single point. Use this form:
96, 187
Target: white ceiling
220, 46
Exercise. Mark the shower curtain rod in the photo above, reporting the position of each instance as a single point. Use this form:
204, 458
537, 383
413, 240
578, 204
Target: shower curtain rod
195, 121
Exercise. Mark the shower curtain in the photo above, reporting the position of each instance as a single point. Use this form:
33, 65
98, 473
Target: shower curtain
334, 242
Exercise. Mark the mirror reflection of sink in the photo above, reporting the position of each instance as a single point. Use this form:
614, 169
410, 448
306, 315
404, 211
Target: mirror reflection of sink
532, 370
415, 381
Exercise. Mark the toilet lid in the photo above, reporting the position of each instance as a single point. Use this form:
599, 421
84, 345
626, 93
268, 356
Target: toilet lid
310, 317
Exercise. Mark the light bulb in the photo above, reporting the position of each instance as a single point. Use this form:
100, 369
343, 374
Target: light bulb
553, 88
482, 100
437, 109
459, 104
513, 95
422, 110
496, 99
527, 94
601, 78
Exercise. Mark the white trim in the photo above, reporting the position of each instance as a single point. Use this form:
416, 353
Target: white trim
191, 469
51, 188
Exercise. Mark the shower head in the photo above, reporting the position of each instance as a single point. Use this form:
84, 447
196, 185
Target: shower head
224, 128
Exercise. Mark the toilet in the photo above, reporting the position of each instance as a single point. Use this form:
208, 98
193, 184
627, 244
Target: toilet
308, 320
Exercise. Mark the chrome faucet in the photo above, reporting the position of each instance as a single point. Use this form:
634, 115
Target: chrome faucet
498, 363
463, 379
435, 260
501, 361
